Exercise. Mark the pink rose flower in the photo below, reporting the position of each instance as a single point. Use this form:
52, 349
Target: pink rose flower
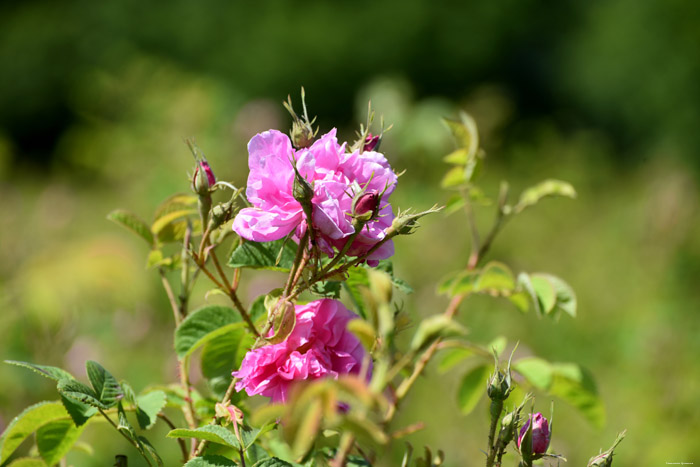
319, 346
335, 175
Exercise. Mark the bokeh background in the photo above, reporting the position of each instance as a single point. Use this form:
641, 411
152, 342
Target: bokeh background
97, 97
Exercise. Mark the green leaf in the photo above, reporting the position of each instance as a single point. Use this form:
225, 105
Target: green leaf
472, 387
78, 391
169, 218
107, 388
465, 133
50, 372
146, 445
272, 462
566, 298
214, 433
537, 371
203, 325
264, 255
545, 291
364, 429
357, 280
534, 194
28, 462
327, 289
250, 435
132, 222
148, 406
284, 324
457, 157
363, 331
454, 177
55, 439
524, 283
462, 282
496, 279
26, 423
388, 267
211, 461
453, 357
433, 327
222, 355
454, 204
255, 453
575, 385
78, 411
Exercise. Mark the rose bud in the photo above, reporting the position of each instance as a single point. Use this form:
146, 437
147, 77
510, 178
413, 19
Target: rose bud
203, 178
537, 438
365, 206
371, 142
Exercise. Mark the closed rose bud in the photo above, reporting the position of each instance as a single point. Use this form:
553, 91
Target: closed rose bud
371, 142
366, 206
203, 178
539, 441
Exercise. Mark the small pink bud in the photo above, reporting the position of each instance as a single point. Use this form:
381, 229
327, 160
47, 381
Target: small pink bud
203, 178
366, 206
371, 142
540, 433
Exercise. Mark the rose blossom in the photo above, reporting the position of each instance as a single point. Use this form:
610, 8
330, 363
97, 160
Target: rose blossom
319, 346
335, 175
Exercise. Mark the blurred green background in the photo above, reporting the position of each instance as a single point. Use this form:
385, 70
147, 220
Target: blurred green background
97, 97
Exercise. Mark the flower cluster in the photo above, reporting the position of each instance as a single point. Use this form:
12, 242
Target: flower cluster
335, 176
319, 346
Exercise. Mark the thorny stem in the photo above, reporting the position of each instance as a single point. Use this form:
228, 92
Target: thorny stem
171, 296
180, 441
131, 441
225, 400
232, 295
188, 409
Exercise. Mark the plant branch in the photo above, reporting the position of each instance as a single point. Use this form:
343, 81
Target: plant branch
180, 441
171, 296
131, 441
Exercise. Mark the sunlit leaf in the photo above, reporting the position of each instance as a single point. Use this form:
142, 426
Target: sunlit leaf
534, 194
50, 372
495, 278
55, 439
537, 371
149, 406
545, 292
222, 355
214, 433
433, 327
203, 325
452, 357
575, 385
472, 387
454, 177
132, 222
26, 423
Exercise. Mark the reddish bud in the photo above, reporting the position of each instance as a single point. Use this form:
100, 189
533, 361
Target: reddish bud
371, 142
203, 178
366, 206
540, 434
